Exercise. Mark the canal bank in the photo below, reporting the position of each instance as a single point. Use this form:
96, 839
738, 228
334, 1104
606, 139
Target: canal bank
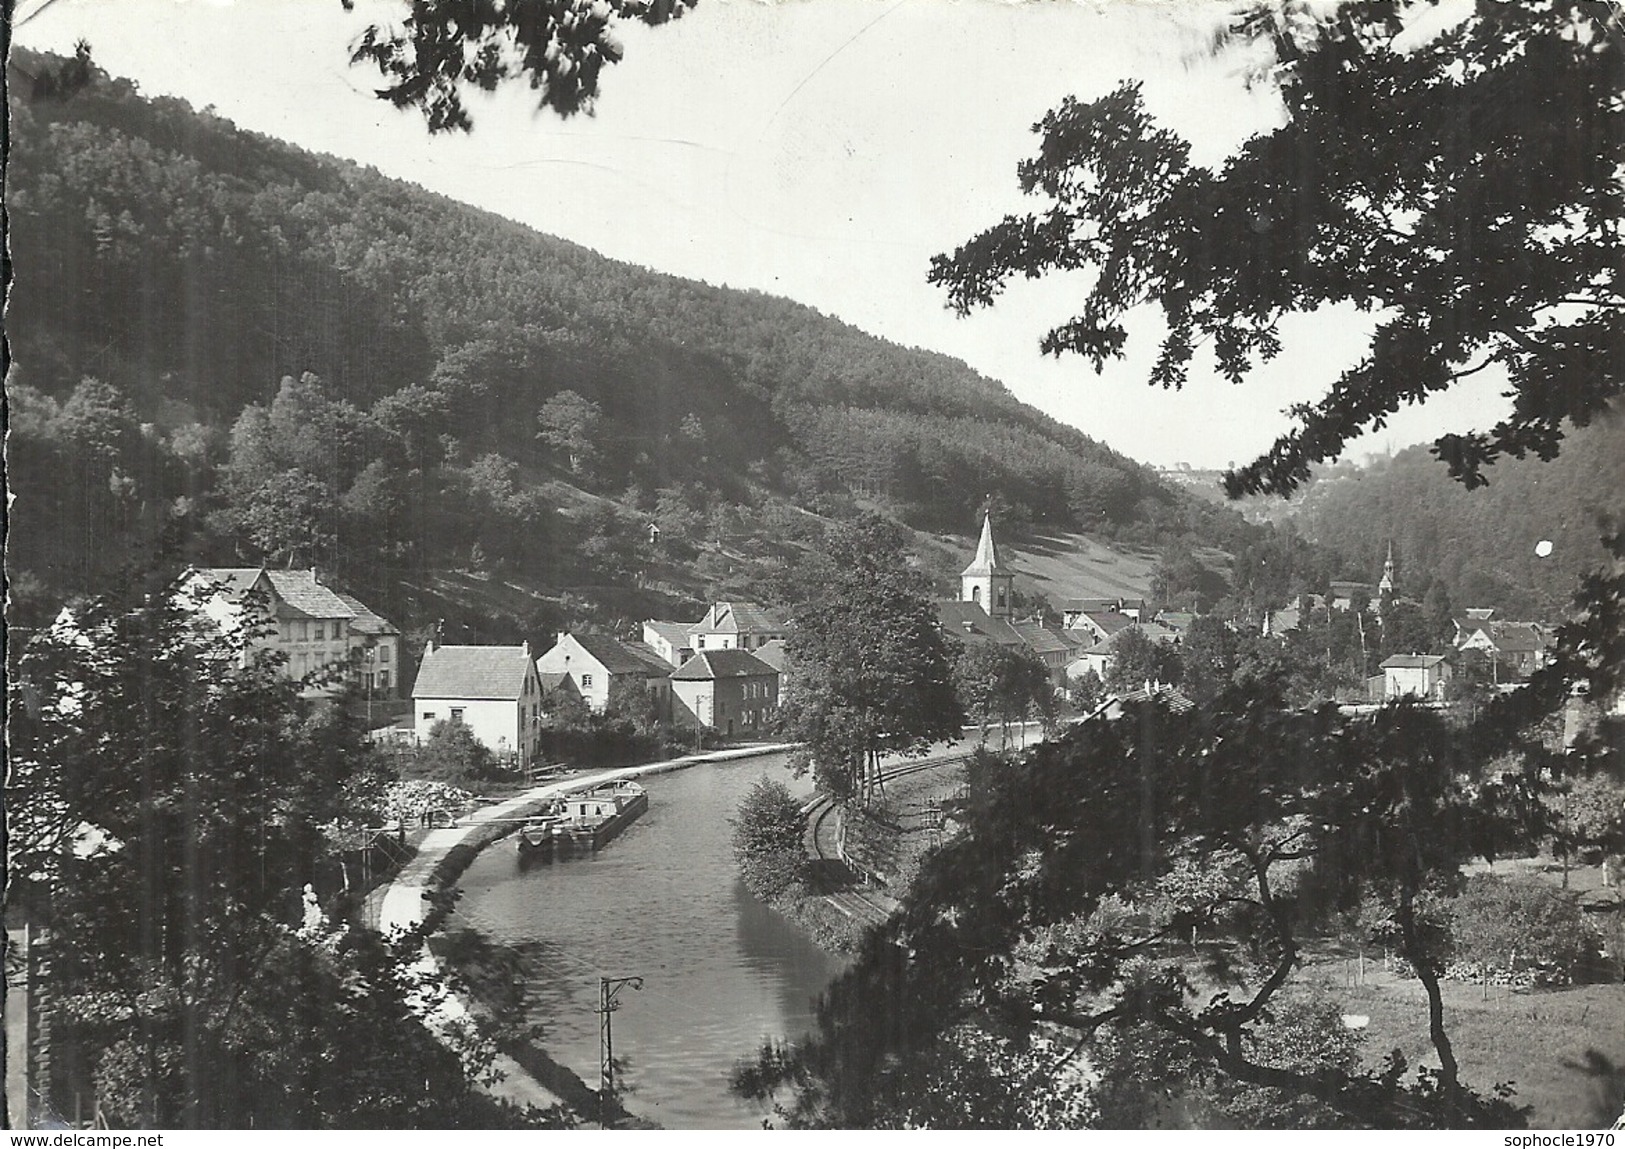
416, 898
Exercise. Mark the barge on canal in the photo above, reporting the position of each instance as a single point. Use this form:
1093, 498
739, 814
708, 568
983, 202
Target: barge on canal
584, 822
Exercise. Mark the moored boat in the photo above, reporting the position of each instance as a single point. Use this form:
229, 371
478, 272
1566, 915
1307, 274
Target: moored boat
583, 822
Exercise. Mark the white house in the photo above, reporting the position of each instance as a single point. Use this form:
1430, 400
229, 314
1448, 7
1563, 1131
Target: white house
1415, 676
493, 690
596, 665
669, 640
735, 626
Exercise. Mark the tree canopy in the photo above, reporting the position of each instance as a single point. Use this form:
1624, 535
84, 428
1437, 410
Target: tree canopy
1463, 187
444, 46
873, 672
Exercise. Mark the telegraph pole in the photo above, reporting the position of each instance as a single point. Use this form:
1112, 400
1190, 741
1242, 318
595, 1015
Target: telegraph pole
608, 988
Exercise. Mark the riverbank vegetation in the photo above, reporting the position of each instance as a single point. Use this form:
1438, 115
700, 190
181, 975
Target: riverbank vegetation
173, 806
770, 846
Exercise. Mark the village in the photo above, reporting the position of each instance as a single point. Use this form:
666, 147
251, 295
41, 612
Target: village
725, 674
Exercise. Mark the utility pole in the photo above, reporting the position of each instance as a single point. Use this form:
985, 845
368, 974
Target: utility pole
608, 988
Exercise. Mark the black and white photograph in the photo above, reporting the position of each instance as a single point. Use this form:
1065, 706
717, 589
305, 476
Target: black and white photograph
685, 565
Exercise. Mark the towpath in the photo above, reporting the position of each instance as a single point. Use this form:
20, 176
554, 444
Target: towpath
405, 903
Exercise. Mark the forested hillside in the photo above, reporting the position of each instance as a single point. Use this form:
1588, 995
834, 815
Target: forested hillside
229, 350
1479, 544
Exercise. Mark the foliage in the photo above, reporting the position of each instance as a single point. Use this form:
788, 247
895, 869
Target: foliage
168, 799
1000, 684
1138, 659
1520, 926
445, 47
1159, 875
570, 424
873, 674
1463, 184
189, 267
769, 839
453, 755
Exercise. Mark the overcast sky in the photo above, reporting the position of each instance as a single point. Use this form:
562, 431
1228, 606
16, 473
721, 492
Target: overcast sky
819, 149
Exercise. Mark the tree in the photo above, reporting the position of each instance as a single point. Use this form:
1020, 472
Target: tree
449, 45
1000, 684
873, 674
166, 804
1209, 657
1157, 877
769, 839
1138, 659
1466, 187
569, 423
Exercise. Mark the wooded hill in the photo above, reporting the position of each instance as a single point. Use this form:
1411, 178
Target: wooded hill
1479, 545
229, 350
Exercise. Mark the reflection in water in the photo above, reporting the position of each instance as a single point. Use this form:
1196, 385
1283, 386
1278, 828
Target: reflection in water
663, 901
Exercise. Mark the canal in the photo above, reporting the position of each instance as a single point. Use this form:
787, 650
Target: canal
664, 902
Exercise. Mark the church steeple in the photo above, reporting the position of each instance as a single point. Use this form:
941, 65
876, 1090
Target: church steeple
1385, 585
986, 581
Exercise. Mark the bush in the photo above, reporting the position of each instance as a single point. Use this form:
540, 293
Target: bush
1520, 930
451, 754
769, 839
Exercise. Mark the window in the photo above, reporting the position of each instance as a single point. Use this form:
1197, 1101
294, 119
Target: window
586, 682
383, 680
456, 713
976, 594
699, 643
321, 632
383, 653
338, 628
304, 630
428, 716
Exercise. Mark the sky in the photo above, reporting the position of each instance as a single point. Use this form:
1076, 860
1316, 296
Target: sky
823, 150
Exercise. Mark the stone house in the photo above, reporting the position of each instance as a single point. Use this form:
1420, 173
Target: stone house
729, 691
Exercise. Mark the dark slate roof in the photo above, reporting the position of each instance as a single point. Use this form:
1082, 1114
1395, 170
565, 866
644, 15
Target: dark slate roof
614, 655
1169, 696
552, 682
967, 620
773, 653
736, 618
1511, 636
365, 621
652, 661
1039, 638
714, 664
1411, 661
1110, 621
302, 594
473, 672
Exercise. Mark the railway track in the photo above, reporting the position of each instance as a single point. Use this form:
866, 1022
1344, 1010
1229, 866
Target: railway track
858, 903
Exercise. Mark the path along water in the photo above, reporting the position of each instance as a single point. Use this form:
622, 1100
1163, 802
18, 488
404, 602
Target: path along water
664, 902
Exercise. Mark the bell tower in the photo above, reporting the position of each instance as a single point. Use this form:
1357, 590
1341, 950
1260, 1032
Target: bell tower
988, 582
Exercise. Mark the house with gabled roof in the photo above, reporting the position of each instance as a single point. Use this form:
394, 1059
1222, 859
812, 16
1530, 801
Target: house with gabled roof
315, 626
1047, 646
735, 626
729, 691
597, 667
493, 690
669, 640
1516, 649
1074, 608
1099, 657
1420, 676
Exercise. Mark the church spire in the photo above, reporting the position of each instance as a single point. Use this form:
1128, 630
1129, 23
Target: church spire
1385, 585
987, 581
